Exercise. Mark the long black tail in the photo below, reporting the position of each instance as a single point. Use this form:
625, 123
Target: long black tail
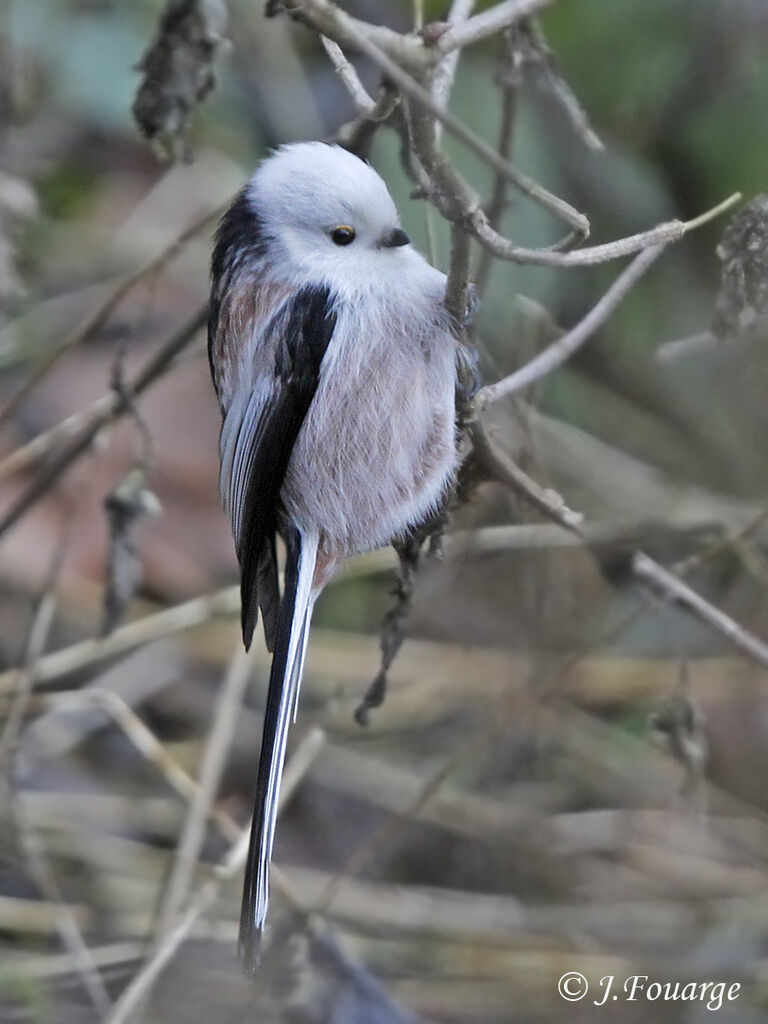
284, 681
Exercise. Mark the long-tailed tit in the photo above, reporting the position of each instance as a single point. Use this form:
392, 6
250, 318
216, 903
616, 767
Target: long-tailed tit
334, 360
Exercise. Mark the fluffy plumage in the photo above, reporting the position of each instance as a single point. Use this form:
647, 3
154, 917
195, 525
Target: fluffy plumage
335, 367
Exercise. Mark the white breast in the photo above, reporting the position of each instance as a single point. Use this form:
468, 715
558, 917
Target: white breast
377, 449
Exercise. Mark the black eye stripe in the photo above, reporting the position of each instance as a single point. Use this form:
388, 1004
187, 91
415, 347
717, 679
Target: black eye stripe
343, 235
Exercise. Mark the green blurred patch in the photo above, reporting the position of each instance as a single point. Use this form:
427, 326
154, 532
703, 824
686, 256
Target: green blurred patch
25, 995
66, 192
358, 603
633, 721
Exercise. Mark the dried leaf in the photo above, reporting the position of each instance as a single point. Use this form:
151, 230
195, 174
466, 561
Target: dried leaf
178, 70
128, 503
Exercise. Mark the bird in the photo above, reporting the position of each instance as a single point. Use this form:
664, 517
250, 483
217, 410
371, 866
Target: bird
334, 359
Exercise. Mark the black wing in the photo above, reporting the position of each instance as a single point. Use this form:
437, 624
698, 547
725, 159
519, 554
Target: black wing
266, 435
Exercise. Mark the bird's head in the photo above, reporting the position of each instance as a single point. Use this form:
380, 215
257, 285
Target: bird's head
325, 213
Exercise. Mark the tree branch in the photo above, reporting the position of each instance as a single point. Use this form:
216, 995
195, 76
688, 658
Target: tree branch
562, 349
487, 24
119, 406
349, 77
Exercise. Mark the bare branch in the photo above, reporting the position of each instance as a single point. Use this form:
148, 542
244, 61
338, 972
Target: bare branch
27, 454
349, 77
562, 349
86, 653
36, 859
409, 51
410, 87
457, 286
192, 836
234, 860
329, 20
24, 677
509, 81
66, 919
357, 135
145, 742
154, 368
445, 73
661, 580
95, 318
487, 24
504, 469
537, 55
692, 344
394, 53
642, 568
662, 234
40, 446
35, 856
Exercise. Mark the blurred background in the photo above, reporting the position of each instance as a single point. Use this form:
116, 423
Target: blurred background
569, 773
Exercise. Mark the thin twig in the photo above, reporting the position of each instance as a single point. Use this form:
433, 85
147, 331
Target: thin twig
154, 368
537, 54
357, 135
24, 681
561, 350
735, 538
647, 571
396, 55
225, 603
443, 80
39, 447
38, 867
642, 568
411, 88
445, 73
509, 83
410, 51
487, 24
456, 200
662, 234
146, 744
87, 653
150, 748
693, 344
350, 79
393, 825
36, 860
231, 863
214, 757
27, 454
501, 467
66, 920
94, 320
327, 19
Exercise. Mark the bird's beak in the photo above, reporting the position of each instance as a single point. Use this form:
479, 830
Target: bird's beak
394, 238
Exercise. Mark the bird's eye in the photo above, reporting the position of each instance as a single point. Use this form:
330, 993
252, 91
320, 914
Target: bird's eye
343, 235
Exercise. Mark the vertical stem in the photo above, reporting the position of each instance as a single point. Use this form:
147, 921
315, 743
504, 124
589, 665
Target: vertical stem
214, 758
509, 84
457, 286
